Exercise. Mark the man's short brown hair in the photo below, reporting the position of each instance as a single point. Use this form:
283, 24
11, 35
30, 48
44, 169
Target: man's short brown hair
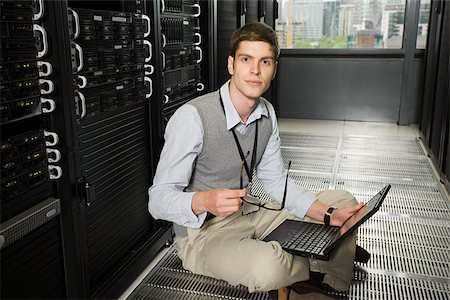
255, 31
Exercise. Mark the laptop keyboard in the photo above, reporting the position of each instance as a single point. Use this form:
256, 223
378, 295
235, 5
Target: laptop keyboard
311, 238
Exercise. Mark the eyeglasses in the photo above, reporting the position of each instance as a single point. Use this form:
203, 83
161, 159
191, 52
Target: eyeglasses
255, 200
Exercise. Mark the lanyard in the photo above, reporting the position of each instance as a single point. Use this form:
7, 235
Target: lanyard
241, 153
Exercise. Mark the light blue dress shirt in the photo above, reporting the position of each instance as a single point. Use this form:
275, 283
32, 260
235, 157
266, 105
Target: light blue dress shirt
183, 143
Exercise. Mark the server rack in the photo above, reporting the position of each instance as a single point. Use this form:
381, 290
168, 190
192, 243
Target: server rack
183, 53
113, 89
82, 125
435, 115
95, 86
30, 241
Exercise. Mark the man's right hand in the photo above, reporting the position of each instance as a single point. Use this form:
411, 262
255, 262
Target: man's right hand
219, 202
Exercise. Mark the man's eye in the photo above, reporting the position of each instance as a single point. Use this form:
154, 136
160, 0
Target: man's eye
245, 59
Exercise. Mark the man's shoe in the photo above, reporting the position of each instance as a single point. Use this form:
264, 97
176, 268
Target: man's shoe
313, 285
361, 255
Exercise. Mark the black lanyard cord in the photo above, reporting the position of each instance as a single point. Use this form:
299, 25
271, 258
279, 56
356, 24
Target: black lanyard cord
238, 145
253, 161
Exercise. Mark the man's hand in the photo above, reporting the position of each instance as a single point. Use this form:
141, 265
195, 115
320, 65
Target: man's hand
219, 202
317, 211
340, 215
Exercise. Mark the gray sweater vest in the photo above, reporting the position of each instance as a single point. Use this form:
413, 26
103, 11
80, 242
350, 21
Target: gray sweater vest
219, 163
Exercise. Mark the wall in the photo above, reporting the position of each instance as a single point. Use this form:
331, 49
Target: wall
344, 88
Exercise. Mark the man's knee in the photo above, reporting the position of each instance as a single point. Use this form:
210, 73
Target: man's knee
267, 276
275, 271
337, 198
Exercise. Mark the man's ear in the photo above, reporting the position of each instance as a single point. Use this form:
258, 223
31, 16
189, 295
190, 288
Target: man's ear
275, 71
230, 65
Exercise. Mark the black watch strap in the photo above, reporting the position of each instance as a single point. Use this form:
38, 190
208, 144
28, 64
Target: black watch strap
327, 216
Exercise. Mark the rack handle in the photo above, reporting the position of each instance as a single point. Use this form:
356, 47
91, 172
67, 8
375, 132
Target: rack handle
200, 87
199, 38
201, 54
44, 51
51, 86
152, 69
83, 82
54, 138
147, 18
53, 155
51, 103
163, 60
164, 40
48, 66
150, 87
55, 172
149, 44
77, 22
40, 13
83, 104
80, 57
199, 10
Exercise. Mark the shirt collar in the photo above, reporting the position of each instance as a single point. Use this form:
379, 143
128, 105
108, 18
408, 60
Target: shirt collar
231, 114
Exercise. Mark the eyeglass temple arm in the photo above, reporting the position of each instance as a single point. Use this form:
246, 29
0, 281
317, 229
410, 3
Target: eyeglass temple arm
285, 183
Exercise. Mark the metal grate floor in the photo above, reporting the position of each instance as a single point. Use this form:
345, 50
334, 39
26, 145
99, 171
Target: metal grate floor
409, 238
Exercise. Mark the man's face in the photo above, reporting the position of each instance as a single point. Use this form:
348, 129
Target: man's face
252, 69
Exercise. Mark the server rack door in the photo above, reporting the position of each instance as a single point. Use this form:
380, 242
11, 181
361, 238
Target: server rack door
112, 91
433, 38
434, 122
228, 20
252, 11
270, 12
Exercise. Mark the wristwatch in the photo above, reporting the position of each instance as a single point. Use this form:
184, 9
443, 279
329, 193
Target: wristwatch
327, 216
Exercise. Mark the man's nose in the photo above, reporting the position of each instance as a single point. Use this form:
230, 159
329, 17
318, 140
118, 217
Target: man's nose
255, 68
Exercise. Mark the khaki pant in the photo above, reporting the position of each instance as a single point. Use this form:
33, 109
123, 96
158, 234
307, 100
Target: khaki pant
232, 249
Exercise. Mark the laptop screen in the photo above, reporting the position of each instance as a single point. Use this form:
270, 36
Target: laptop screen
359, 217
365, 211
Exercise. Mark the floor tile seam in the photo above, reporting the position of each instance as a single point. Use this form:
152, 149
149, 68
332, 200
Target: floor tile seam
418, 217
408, 275
415, 217
422, 248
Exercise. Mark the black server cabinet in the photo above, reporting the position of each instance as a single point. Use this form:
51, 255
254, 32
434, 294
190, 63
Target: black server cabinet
30, 233
76, 89
434, 123
112, 88
252, 10
228, 20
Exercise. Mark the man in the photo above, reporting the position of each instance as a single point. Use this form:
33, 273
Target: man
209, 143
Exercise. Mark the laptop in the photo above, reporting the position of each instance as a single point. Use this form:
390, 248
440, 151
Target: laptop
317, 240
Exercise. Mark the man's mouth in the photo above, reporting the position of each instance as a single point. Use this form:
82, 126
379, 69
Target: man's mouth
254, 82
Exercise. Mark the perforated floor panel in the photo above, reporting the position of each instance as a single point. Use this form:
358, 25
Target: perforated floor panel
409, 238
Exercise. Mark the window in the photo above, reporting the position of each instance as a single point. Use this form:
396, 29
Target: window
422, 30
344, 24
